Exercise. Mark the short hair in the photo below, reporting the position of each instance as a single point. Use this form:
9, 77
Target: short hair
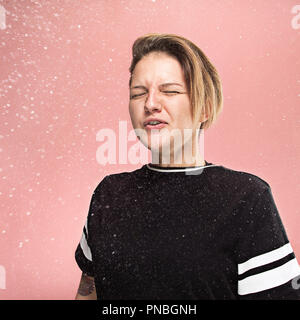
201, 77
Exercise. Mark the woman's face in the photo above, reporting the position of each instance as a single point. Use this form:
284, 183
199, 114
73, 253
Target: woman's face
158, 90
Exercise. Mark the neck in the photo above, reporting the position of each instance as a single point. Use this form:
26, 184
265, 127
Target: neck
180, 158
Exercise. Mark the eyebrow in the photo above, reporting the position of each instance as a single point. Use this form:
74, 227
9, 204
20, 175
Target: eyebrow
162, 85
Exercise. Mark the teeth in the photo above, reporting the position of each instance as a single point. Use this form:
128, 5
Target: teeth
153, 122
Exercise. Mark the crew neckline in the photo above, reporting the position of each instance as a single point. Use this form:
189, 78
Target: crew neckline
156, 167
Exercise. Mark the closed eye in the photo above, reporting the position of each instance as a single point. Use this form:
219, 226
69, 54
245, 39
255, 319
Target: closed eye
167, 92
172, 92
136, 95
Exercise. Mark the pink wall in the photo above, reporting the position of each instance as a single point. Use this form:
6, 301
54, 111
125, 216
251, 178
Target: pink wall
64, 76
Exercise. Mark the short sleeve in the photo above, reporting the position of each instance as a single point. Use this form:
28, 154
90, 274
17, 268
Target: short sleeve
83, 252
266, 263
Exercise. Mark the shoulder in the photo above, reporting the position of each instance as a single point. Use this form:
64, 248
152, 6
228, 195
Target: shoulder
116, 181
238, 191
237, 180
251, 203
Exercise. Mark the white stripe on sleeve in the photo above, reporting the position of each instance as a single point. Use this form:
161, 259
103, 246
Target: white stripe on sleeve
269, 279
265, 258
84, 245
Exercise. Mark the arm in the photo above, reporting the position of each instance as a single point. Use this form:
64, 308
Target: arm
86, 290
267, 265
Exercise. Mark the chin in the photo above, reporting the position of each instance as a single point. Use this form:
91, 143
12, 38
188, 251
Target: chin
156, 140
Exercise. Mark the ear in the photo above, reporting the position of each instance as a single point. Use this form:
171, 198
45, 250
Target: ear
203, 117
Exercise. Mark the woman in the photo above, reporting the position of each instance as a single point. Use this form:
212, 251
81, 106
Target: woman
181, 227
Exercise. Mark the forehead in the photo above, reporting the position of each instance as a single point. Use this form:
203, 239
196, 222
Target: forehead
158, 66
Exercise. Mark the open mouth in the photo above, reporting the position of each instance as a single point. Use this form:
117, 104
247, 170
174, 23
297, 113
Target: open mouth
155, 125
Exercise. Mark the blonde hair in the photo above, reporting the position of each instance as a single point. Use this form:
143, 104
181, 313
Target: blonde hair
202, 80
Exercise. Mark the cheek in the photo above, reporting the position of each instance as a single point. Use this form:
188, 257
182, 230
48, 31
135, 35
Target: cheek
182, 118
132, 112
135, 114
187, 119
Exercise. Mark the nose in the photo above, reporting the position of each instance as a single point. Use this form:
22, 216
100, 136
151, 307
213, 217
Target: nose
152, 101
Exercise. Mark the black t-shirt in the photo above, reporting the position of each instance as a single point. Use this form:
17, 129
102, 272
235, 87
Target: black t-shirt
195, 233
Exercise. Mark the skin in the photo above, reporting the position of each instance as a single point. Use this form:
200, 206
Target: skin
150, 98
86, 290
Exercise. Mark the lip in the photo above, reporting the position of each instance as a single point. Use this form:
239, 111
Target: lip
158, 126
154, 119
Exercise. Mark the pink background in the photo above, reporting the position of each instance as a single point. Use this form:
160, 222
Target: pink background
64, 76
